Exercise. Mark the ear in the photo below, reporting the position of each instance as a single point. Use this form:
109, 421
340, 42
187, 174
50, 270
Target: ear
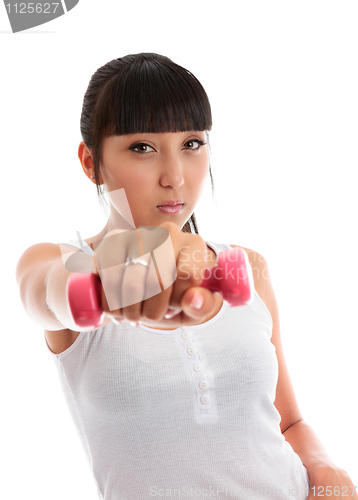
85, 157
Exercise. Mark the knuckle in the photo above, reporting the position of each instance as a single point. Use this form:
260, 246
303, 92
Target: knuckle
131, 317
152, 310
186, 277
152, 314
168, 225
116, 312
198, 238
173, 231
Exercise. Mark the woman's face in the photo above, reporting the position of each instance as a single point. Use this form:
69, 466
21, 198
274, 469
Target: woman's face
155, 168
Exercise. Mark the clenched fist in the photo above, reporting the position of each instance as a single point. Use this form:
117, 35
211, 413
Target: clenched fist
171, 270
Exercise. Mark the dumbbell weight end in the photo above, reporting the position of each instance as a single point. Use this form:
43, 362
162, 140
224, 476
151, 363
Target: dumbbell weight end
84, 293
231, 277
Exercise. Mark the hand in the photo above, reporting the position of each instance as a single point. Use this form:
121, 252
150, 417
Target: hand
326, 482
133, 292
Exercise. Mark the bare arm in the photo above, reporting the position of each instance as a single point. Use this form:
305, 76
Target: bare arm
42, 277
321, 469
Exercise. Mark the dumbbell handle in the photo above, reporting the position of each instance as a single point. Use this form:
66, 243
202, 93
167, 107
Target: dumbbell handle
231, 277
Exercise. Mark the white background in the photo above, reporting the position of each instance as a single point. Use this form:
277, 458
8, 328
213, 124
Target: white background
282, 79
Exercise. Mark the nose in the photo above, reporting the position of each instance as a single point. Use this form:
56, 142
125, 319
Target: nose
171, 171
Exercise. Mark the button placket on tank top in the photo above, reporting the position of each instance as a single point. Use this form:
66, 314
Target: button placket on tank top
193, 357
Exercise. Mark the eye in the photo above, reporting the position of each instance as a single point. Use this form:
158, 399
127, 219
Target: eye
141, 148
194, 144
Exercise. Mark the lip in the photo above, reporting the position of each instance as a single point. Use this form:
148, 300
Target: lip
171, 209
170, 203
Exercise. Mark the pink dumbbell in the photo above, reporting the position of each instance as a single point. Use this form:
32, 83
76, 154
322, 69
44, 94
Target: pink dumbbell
231, 277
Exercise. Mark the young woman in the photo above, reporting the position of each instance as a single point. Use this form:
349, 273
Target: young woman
199, 404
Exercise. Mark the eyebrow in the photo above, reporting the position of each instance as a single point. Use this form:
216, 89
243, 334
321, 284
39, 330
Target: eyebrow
130, 139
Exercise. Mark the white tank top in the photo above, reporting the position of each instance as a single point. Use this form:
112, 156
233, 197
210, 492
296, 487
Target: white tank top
182, 413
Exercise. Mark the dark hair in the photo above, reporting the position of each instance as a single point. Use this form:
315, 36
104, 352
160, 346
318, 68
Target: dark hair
142, 93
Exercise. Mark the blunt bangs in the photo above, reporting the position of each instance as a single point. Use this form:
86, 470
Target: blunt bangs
152, 97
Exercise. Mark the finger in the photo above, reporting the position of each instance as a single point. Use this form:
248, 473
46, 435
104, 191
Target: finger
160, 278
111, 279
133, 287
110, 255
198, 303
114, 314
157, 299
190, 265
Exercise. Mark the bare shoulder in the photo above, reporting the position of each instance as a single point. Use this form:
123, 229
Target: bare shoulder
254, 257
263, 286
247, 250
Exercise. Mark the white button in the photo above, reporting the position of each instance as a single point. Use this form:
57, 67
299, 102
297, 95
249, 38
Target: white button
203, 384
205, 399
191, 349
185, 335
197, 367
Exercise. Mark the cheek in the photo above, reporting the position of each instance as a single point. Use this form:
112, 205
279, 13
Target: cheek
136, 188
199, 172
130, 178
